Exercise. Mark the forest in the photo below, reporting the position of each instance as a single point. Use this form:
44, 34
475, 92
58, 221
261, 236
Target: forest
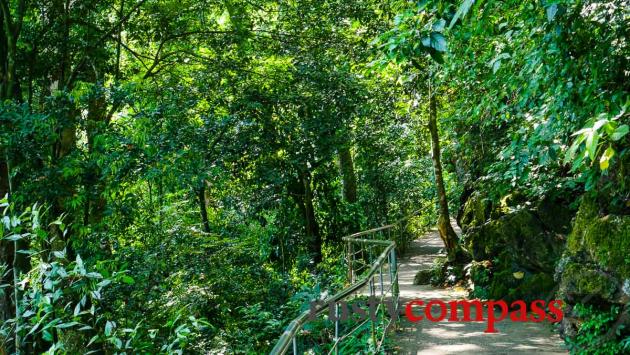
176, 176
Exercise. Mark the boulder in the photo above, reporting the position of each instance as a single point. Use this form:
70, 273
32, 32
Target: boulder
522, 236
514, 255
423, 277
582, 283
555, 214
602, 240
476, 211
594, 272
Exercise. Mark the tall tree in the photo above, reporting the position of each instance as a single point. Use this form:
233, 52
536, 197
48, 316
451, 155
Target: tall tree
417, 44
348, 175
448, 235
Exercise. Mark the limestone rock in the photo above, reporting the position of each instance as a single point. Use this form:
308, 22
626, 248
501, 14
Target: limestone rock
522, 235
476, 211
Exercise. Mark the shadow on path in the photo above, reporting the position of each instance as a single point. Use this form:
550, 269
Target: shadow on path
445, 337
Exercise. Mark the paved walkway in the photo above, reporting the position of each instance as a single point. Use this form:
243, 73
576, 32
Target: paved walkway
460, 337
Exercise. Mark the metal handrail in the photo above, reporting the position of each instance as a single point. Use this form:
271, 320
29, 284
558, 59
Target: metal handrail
288, 337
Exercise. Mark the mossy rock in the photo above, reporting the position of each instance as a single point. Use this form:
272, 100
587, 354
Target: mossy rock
585, 281
521, 232
476, 211
423, 277
511, 202
533, 287
510, 285
555, 214
606, 240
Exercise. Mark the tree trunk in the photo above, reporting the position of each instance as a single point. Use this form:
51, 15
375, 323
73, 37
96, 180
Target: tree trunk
450, 239
6, 252
12, 28
94, 187
201, 197
349, 177
312, 229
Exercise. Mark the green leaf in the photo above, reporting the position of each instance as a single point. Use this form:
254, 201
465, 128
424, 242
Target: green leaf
79, 265
92, 340
583, 130
495, 66
599, 124
94, 275
620, 132
439, 25
128, 280
46, 335
438, 42
591, 144
604, 162
426, 41
461, 12
67, 325
108, 328
609, 127
551, 12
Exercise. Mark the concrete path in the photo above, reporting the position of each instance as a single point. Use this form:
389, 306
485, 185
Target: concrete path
446, 337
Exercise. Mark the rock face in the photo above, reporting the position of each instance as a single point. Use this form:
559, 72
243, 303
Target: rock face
476, 211
595, 268
514, 256
520, 234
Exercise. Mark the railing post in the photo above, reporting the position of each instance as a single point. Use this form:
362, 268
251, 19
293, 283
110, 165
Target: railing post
388, 255
381, 281
394, 273
372, 294
336, 346
350, 262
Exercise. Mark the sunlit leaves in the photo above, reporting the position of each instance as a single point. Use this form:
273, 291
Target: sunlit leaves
620, 132
604, 128
417, 32
604, 160
462, 10
495, 63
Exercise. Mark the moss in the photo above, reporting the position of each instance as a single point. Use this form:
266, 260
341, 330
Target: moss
507, 286
605, 239
555, 214
579, 280
533, 287
511, 201
501, 284
523, 235
476, 211
423, 277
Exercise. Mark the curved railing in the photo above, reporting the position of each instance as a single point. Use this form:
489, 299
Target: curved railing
371, 259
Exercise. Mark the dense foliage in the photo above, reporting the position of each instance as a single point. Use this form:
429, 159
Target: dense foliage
179, 174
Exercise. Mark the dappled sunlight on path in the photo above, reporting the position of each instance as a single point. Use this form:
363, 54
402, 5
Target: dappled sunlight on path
446, 337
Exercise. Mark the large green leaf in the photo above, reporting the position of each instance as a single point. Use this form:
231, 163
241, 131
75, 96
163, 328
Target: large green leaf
438, 42
604, 161
620, 132
461, 11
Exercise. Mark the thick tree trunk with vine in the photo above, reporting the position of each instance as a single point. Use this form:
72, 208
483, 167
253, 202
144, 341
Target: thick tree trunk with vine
16, 263
349, 177
6, 249
448, 235
312, 228
203, 211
